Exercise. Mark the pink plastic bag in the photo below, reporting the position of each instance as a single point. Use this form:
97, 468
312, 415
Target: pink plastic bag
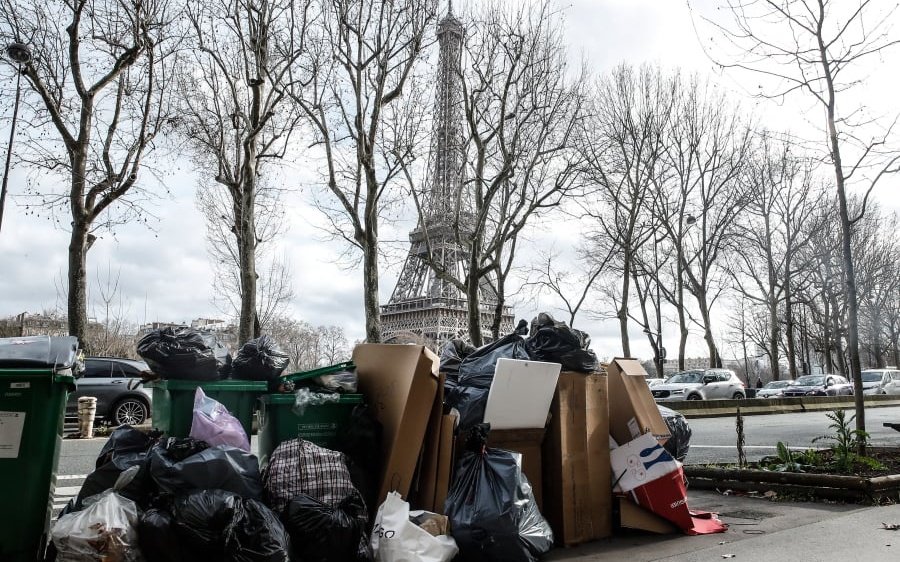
214, 424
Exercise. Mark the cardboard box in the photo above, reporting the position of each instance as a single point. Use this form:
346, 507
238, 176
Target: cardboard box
400, 382
632, 410
633, 516
577, 494
433, 481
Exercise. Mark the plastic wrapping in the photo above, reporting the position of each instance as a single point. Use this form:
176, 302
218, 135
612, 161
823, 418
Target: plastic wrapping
492, 511
452, 355
214, 424
104, 530
556, 342
680, 443
395, 538
225, 468
258, 536
126, 447
306, 397
183, 353
342, 381
260, 359
321, 533
476, 372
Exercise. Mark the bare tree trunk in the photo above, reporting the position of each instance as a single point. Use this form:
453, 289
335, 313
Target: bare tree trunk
774, 337
682, 320
77, 275
474, 306
247, 253
714, 360
622, 313
370, 287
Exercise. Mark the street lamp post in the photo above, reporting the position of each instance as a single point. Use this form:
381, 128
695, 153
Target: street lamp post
20, 54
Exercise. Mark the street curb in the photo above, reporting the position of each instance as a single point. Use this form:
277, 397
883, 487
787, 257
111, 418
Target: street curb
754, 407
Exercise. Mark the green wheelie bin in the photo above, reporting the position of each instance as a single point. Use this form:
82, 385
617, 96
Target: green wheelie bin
36, 376
173, 402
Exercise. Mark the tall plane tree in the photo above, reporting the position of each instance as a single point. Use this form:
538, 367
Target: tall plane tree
235, 113
814, 49
97, 96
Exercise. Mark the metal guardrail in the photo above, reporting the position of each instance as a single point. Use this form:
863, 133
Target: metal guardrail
760, 406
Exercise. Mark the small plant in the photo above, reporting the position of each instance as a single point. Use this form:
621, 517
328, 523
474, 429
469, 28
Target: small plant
844, 440
784, 460
810, 457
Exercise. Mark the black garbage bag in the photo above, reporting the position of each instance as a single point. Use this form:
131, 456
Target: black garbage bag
205, 519
492, 511
260, 359
452, 355
158, 540
360, 439
680, 442
126, 447
183, 353
555, 342
258, 536
476, 372
320, 533
221, 467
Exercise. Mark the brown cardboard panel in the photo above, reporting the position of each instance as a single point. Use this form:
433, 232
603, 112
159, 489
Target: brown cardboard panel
632, 410
400, 382
577, 501
423, 494
633, 516
446, 461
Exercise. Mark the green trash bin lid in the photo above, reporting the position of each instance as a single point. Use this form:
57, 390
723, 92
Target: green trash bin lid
39, 352
307, 375
226, 384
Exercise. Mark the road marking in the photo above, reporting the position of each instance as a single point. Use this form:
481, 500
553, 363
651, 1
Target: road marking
747, 447
71, 476
67, 491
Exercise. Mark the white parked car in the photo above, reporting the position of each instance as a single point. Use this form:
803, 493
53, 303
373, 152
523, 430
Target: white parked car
709, 384
881, 381
653, 382
773, 389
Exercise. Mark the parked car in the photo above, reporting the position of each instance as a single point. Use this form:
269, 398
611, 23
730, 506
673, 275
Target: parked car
653, 381
113, 381
881, 381
819, 385
698, 384
773, 389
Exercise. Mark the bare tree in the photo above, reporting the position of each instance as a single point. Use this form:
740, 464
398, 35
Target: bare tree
572, 288
98, 85
814, 48
360, 63
235, 115
109, 332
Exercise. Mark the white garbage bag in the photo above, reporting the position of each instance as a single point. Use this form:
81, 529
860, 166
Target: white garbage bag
103, 531
397, 539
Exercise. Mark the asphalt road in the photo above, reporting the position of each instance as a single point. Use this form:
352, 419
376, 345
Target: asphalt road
714, 439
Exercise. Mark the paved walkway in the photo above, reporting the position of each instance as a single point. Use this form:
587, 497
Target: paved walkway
762, 530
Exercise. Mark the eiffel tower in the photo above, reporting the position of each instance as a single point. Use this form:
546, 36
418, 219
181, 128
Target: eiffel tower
423, 304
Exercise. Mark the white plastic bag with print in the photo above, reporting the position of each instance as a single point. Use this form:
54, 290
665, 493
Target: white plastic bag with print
397, 539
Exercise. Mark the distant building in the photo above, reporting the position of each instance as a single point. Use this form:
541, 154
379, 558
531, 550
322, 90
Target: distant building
211, 324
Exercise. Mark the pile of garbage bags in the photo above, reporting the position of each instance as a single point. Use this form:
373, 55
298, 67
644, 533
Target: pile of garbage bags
188, 354
470, 371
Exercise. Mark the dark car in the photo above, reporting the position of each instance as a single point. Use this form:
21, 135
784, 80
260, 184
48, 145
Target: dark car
114, 383
819, 385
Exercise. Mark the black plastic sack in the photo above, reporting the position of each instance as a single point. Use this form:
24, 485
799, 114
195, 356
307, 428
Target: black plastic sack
680, 442
320, 533
260, 359
183, 353
360, 439
492, 511
476, 372
452, 355
555, 342
204, 520
258, 536
222, 467
158, 540
126, 447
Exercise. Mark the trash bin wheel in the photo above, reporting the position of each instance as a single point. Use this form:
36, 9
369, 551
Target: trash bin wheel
130, 411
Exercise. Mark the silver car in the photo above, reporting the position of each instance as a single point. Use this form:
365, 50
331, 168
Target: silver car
773, 389
708, 384
113, 382
881, 381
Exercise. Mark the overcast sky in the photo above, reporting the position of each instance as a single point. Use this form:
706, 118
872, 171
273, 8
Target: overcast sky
165, 274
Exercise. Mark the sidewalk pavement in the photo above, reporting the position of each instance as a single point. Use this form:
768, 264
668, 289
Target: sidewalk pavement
761, 530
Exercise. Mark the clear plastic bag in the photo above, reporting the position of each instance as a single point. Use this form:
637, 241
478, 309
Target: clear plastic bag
214, 424
342, 381
306, 397
104, 530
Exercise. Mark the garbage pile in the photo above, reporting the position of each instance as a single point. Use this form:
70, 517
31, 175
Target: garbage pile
487, 453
